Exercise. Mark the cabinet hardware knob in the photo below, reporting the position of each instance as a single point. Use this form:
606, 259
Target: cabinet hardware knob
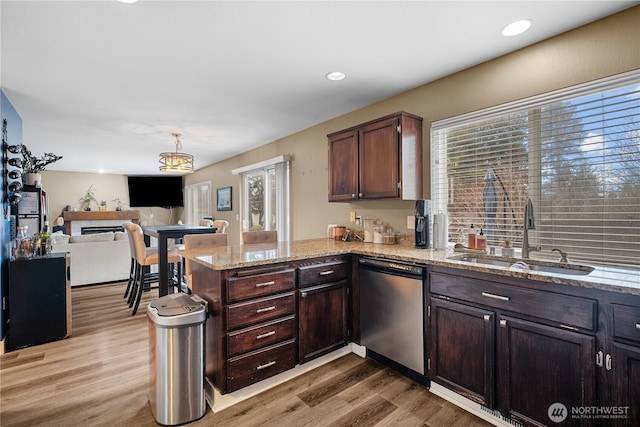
266, 365
607, 364
503, 323
353, 195
260, 285
494, 296
262, 310
599, 358
325, 273
487, 317
360, 195
637, 325
303, 295
265, 335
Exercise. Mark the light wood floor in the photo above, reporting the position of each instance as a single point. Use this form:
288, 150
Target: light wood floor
99, 377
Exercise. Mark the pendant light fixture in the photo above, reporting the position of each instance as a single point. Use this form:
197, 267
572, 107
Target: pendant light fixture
176, 162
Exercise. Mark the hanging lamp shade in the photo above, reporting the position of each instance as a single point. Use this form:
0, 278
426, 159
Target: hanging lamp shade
176, 162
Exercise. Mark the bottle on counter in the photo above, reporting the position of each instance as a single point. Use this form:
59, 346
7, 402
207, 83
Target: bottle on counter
44, 240
481, 240
471, 237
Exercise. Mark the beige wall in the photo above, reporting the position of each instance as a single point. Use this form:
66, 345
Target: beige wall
601, 49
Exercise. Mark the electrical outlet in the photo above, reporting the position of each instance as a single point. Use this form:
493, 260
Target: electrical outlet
352, 216
411, 222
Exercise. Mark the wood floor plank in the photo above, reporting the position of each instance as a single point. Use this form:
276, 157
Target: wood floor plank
100, 377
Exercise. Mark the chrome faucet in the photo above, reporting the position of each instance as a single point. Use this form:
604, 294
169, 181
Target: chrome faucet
529, 224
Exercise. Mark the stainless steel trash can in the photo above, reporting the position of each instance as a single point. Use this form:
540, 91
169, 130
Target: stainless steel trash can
176, 352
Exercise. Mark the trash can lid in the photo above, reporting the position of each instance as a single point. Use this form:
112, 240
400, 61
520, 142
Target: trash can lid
177, 309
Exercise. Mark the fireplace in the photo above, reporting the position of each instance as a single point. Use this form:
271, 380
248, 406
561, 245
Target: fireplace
101, 229
76, 221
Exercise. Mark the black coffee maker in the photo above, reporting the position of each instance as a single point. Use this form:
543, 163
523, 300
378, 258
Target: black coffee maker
422, 214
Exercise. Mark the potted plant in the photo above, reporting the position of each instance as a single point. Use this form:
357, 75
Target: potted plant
33, 165
119, 203
89, 196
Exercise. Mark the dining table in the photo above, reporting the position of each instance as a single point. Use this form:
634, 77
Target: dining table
163, 233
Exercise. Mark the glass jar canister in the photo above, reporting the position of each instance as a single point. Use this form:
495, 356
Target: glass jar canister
23, 243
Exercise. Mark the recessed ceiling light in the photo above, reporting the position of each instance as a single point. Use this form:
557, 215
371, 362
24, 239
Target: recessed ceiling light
517, 27
336, 75
128, 1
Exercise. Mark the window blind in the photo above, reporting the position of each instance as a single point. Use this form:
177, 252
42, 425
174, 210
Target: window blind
575, 153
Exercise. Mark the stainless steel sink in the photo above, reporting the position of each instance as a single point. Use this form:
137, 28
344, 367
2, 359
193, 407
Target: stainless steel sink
526, 265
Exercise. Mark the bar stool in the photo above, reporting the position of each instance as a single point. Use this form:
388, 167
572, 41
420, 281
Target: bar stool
195, 241
249, 237
221, 225
146, 257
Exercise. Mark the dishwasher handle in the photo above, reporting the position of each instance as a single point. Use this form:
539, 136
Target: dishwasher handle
391, 267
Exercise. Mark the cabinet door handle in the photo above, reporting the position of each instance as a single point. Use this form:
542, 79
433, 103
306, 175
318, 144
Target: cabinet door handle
303, 295
494, 296
262, 310
503, 323
265, 335
487, 317
266, 365
637, 325
260, 285
360, 195
353, 196
325, 273
607, 363
599, 358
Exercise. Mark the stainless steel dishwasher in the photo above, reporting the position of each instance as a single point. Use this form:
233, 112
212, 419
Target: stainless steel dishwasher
392, 311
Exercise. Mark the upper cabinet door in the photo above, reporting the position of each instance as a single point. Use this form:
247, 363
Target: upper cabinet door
343, 166
379, 154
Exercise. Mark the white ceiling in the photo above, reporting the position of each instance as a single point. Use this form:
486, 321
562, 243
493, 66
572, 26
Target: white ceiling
104, 84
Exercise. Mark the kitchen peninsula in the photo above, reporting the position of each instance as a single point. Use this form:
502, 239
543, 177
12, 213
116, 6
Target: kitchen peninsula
275, 307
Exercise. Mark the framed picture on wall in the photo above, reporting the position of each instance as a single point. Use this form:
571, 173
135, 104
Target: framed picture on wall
224, 199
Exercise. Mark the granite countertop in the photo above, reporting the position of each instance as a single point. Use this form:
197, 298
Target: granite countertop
230, 257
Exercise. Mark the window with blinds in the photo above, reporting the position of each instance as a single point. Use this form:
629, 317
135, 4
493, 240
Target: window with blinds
198, 202
575, 153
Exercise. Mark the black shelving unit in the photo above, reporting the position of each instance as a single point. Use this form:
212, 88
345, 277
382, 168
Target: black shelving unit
37, 302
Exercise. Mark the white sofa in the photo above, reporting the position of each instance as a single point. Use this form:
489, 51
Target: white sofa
95, 258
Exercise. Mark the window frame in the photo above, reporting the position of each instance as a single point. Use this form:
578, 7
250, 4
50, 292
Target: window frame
442, 130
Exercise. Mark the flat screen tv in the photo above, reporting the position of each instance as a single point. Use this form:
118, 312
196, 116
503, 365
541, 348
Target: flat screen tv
155, 191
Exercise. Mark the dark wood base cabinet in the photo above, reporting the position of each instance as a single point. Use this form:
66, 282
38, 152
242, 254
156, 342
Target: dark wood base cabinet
539, 366
260, 324
535, 352
462, 349
323, 307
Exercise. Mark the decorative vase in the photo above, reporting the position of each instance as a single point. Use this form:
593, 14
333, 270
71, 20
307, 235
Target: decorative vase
32, 178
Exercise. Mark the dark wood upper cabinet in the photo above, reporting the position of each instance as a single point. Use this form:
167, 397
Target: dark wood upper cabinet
376, 160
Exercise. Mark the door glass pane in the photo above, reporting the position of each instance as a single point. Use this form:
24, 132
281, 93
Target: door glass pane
256, 200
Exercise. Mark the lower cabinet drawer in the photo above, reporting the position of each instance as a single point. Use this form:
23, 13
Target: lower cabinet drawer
262, 335
261, 364
626, 322
260, 310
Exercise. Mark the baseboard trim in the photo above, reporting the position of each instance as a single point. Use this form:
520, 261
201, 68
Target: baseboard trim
491, 416
217, 402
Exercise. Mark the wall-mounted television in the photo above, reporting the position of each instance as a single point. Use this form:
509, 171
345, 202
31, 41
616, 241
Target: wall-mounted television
155, 191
